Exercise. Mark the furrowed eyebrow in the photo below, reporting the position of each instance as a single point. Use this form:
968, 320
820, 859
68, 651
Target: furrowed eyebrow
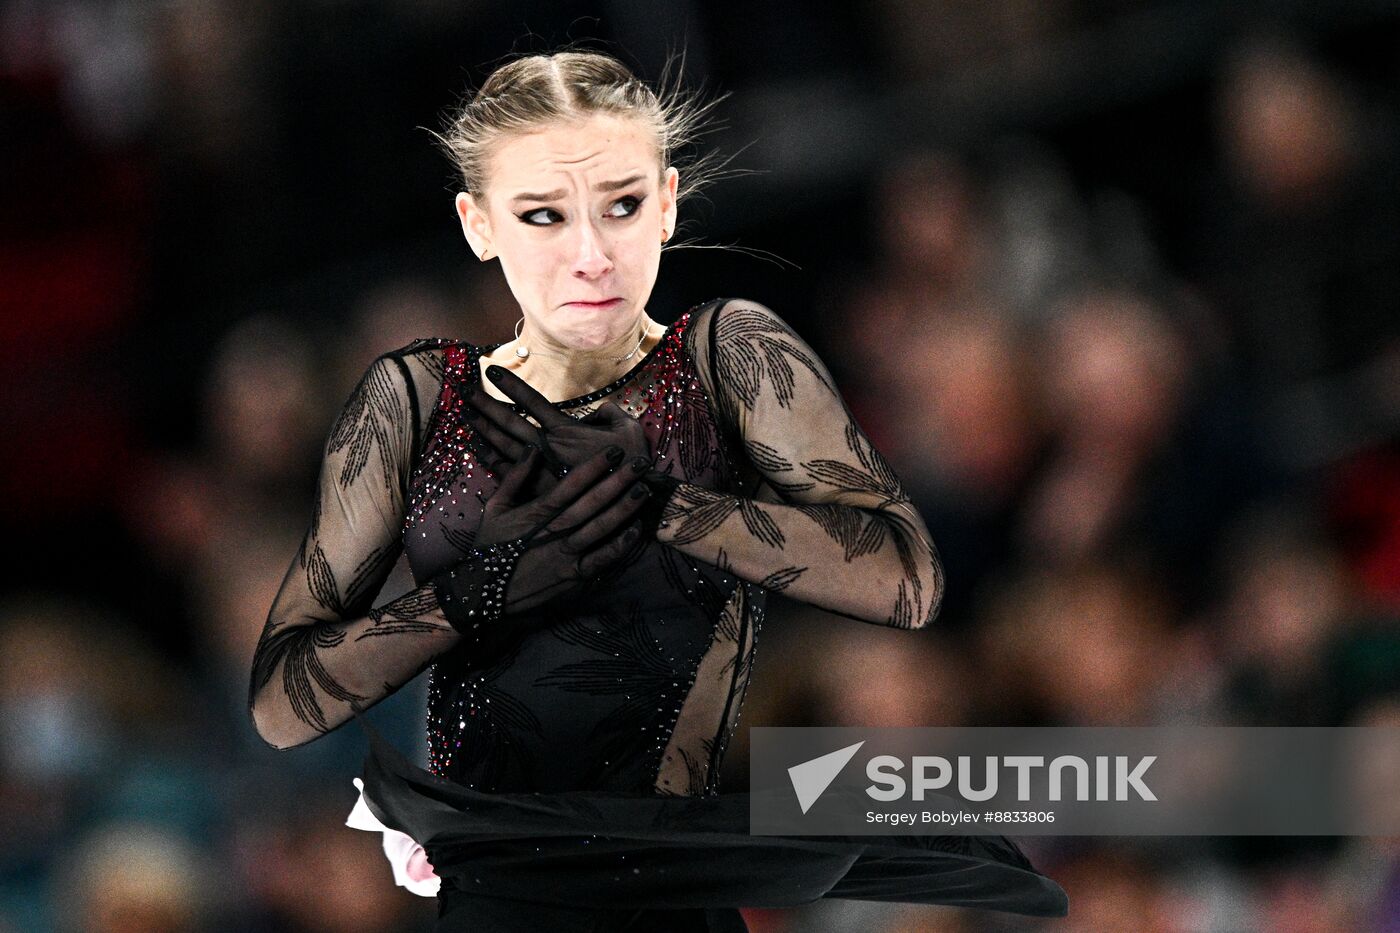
556, 195
615, 185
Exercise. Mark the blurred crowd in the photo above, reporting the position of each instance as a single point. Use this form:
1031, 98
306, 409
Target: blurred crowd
1146, 396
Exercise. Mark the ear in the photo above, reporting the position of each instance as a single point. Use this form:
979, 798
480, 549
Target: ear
670, 182
476, 226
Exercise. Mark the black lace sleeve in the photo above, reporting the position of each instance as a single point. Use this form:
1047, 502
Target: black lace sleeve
840, 532
324, 650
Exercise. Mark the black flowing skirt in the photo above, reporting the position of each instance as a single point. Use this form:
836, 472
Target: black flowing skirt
619, 862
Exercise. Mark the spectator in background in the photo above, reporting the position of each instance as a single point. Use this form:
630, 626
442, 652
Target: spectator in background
1112, 376
132, 878
1300, 242
935, 366
1082, 646
1287, 601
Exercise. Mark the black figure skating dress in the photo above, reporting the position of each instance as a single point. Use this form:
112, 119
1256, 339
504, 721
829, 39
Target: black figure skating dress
572, 781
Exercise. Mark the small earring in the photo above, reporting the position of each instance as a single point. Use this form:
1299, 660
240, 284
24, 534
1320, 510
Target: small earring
521, 351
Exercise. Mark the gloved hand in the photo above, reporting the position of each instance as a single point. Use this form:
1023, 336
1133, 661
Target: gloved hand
564, 442
528, 553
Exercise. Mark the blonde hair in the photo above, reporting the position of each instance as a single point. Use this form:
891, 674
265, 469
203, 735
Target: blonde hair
535, 91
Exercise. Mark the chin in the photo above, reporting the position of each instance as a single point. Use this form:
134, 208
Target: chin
590, 335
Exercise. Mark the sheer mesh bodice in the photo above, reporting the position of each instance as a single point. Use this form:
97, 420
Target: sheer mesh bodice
636, 684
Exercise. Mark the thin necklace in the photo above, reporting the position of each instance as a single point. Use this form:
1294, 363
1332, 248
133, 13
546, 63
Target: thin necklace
640, 340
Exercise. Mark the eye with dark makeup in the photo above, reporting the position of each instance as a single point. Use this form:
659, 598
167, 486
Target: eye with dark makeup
631, 203
525, 217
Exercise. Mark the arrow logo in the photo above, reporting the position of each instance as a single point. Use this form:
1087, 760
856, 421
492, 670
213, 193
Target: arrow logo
811, 778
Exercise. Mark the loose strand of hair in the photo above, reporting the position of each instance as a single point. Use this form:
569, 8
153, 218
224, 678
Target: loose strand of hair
751, 251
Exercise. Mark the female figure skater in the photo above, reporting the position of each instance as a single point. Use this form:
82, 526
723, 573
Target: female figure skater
593, 511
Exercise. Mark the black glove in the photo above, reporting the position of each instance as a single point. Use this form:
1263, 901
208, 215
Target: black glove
502, 435
527, 554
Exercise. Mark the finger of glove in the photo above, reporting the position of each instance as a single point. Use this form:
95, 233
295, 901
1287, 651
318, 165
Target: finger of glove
541, 484
479, 443
579, 480
525, 395
574, 444
579, 440
607, 520
601, 558
516, 477
504, 430
596, 497
509, 444
506, 446
477, 397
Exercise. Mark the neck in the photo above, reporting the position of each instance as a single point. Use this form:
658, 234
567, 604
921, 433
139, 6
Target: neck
558, 372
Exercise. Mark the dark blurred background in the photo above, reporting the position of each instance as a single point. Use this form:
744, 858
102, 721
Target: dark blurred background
1113, 284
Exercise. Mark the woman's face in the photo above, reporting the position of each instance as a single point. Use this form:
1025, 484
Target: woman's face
576, 213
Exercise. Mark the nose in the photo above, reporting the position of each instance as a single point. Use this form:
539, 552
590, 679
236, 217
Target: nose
591, 259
